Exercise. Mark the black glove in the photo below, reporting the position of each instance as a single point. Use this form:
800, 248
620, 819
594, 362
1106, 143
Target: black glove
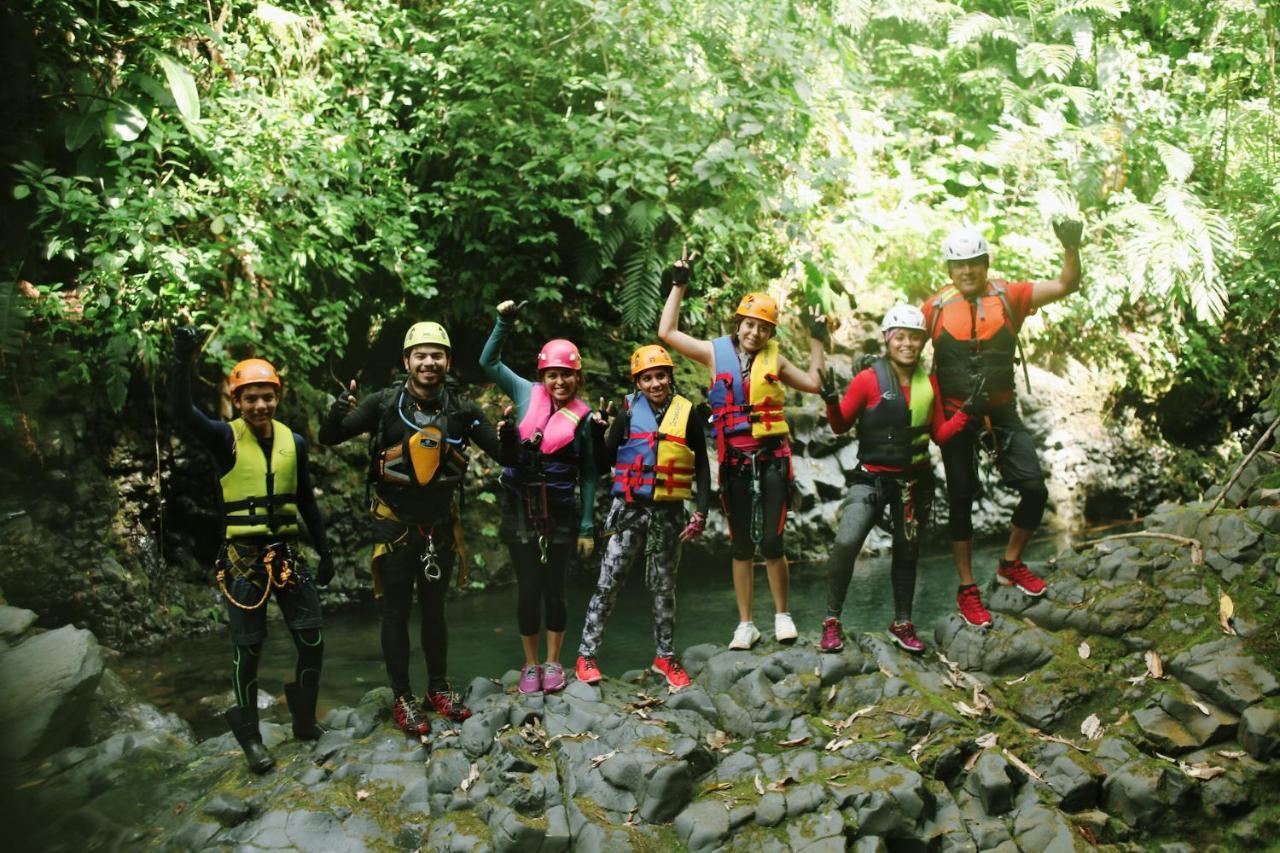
325, 574
977, 401
1069, 232
509, 438
186, 342
510, 309
829, 390
818, 328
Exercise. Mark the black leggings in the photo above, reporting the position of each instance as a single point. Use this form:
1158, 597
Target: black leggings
540, 584
399, 572
1015, 460
909, 503
306, 670
735, 498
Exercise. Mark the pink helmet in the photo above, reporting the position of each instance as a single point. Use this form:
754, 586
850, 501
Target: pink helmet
559, 353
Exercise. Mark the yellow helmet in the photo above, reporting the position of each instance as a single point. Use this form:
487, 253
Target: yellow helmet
426, 333
252, 371
761, 306
650, 355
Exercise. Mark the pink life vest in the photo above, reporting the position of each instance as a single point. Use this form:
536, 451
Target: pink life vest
557, 426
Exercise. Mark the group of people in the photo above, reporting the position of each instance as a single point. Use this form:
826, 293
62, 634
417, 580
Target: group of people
551, 444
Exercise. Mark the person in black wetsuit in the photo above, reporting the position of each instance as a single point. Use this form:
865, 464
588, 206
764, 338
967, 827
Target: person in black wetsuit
420, 430
265, 490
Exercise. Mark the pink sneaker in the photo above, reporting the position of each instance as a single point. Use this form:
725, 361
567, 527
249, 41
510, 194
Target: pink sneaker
531, 679
553, 680
904, 634
831, 636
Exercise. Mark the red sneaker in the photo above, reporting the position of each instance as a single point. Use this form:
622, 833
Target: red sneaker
587, 671
448, 704
677, 678
970, 602
904, 634
409, 718
1020, 576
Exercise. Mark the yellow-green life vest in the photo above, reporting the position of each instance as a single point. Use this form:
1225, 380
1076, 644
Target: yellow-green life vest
260, 499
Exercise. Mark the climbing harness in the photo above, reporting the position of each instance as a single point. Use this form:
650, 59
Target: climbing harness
283, 568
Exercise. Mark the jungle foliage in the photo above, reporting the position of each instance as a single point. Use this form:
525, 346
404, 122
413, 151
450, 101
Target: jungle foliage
303, 179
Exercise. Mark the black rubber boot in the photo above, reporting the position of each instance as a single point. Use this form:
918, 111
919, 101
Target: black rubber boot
244, 725
301, 699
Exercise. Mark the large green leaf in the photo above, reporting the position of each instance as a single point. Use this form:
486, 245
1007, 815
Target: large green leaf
124, 121
183, 88
81, 129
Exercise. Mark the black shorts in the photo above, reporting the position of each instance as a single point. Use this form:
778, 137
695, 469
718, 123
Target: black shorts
298, 600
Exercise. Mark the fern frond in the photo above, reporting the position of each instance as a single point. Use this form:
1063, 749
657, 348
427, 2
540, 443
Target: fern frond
641, 286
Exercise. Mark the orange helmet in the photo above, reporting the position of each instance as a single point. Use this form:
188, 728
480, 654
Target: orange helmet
650, 355
761, 306
252, 371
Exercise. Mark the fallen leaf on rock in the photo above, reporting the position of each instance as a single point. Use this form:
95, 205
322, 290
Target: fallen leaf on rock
988, 740
1135, 680
644, 700
917, 748
663, 751
362, 795
601, 759
981, 700
1092, 727
817, 670
831, 695
719, 786
1202, 771
1087, 834
504, 728
1155, 666
1204, 709
966, 710
972, 760
471, 779
839, 744
1197, 554
1084, 651
1018, 680
573, 736
1233, 754
840, 775
794, 742
1057, 739
1022, 765
1226, 609
718, 740
781, 783
180, 807
759, 785
631, 818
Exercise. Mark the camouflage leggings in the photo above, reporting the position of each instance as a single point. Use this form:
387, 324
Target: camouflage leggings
637, 529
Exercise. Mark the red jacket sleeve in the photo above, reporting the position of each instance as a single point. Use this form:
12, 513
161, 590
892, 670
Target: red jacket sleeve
862, 392
941, 429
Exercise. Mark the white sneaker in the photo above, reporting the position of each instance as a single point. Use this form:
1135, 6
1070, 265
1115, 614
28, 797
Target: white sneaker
784, 629
745, 636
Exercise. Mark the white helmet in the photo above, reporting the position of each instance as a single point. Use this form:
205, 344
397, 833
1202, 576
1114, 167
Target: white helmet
963, 244
903, 317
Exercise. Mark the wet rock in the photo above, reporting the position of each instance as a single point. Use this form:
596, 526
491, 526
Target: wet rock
1259, 731
703, 825
993, 781
804, 798
1042, 829
1145, 792
724, 669
888, 801
817, 833
446, 771
514, 832
479, 729
667, 791
1003, 648
771, 809
227, 810
1075, 787
14, 622
694, 698
46, 682
1224, 671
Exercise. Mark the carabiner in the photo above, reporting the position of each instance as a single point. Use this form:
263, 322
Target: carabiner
430, 565
542, 550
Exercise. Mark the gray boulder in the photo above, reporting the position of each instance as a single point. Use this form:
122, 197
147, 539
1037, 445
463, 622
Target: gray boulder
1224, 671
994, 782
46, 683
1146, 792
1006, 647
14, 622
1259, 731
703, 825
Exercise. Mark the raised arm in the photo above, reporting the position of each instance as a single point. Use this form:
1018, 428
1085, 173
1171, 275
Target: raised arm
669, 323
513, 384
214, 434
809, 381
347, 418
1068, 281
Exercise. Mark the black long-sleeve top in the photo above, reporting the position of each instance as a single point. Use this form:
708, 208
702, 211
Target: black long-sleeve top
620, 428
377, 413
217, 437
